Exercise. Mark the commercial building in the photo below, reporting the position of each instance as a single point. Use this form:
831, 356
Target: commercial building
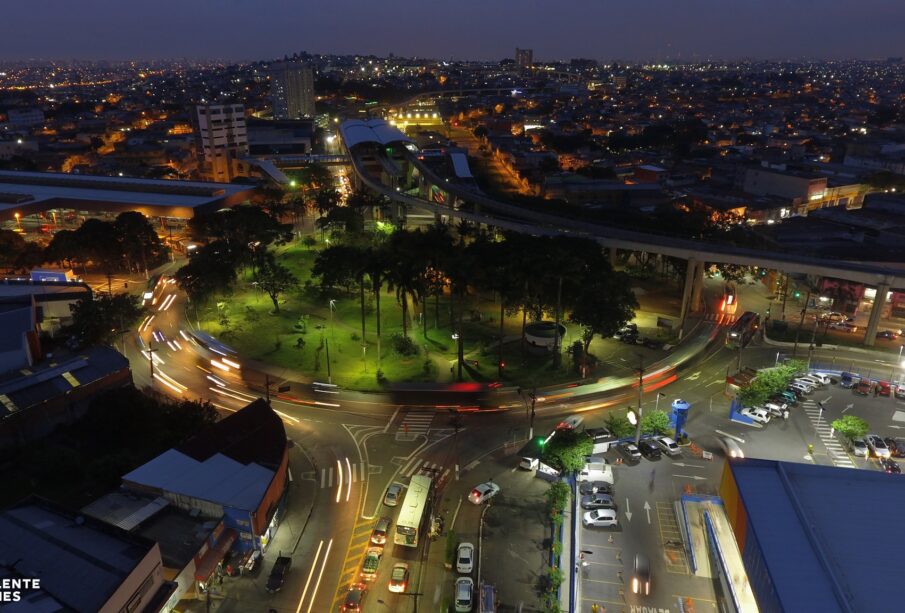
804, 552
292, 90
236, 469
83, 564
53, 301
222, 140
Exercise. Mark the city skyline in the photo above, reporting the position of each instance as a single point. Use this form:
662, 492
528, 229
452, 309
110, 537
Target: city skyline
659, 30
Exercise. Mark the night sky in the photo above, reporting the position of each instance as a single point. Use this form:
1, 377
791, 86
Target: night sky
454, 29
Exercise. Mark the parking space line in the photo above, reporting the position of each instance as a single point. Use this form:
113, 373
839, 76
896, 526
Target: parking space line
589, 580
620, 565
600, 546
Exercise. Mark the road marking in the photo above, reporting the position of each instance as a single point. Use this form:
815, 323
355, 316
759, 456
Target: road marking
684, 465
695, 477
647, 510
628, 510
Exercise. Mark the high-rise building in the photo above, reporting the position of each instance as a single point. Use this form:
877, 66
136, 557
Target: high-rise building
292, 90
221, 140
524, 58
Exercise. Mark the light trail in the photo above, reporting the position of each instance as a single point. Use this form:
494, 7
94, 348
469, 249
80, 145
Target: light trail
339, 484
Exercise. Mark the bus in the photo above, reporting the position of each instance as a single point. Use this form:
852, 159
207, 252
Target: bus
742, 330
414, 511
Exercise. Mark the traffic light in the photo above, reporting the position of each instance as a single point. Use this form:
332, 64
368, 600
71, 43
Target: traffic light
541, 441
797, 295
502, 364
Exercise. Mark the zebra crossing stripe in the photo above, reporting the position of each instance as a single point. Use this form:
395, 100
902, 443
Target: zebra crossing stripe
353, 467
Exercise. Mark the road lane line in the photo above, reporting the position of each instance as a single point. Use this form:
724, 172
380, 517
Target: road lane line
310, 574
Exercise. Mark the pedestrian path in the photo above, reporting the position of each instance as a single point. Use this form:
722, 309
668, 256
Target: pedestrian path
834, 448
334, 475
421, 466
415, 424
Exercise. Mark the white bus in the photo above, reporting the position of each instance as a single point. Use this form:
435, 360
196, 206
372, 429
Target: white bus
413, 512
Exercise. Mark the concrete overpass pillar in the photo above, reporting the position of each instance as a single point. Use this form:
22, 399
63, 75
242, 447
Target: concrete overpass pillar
697, 287
686, 292
874, 319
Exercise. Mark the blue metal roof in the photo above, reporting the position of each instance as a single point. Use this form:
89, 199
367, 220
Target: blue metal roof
825, 533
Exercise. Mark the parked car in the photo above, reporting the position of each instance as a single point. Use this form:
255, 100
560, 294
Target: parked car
789, 397
877, 446
371, 563
629, 450
843, 326
900, 392
795, 392
835, 317
859, 448
599, 518
777, 410
759, 415
822, 377
883, 388
668, 446
889, 335
649, 449
810, 380
598, 501
465, 558
464, 594
392, 496
627, 329
278, 574
641, 575
483, 492
894, 449
570, 423
900, 448
399, 577
730, 447
890, 466
862, 387
352, 603
379, 533
804, 388
652, 343
595, 487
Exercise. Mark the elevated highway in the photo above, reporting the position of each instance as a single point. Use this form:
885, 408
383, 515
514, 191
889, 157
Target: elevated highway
495, 213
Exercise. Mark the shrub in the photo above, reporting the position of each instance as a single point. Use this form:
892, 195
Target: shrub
381, 378
404, 346
557, 498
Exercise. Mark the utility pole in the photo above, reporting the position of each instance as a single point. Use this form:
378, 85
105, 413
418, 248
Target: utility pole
801, 323
151, 359
640, 397
329, 376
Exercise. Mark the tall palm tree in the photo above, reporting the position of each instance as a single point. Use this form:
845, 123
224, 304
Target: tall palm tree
405, 273
438, 249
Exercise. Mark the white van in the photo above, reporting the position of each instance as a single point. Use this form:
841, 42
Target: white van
596, 471
804, 388
822, 377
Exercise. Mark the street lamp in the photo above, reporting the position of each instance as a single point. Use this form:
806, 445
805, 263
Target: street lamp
529, 414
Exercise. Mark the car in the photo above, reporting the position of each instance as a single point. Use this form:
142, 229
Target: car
788, 397
797, 393
883, 388
652, 343
862, 387
759, 415
352, 602
465, 558
599, 518
668, 446
843, 326
570, 423
890, 466
896, 447
889, 335
730, 447
859, 448
900, 392
391, 499
379, 533
809, 380
629, 328
834, 316
483, 492
598, 501
464, 594
804, 388
399, 577
630, 338
777, 410
822, 377
278, 574
629, 450
649, 449
371, 563
877, 446
641, 575
594, 487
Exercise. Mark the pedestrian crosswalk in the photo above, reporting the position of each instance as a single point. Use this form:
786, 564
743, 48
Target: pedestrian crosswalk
415, 424
834, 448
720, 318
420, 466
335, 475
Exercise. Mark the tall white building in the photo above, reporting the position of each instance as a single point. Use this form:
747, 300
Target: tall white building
222, 140
524, 58
292, 90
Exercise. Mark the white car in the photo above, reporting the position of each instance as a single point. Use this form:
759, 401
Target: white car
877, 446
464, 594
761, 416
812, 381
668, 446
822, 377
392, 496
483, 492
599, 518
801, 387
777, 410
859, 448
465, 558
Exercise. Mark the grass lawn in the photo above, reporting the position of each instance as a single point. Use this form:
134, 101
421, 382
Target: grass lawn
245, 321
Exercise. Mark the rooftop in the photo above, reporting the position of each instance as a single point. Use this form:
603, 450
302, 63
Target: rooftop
80, 561
819, 554
376, 131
